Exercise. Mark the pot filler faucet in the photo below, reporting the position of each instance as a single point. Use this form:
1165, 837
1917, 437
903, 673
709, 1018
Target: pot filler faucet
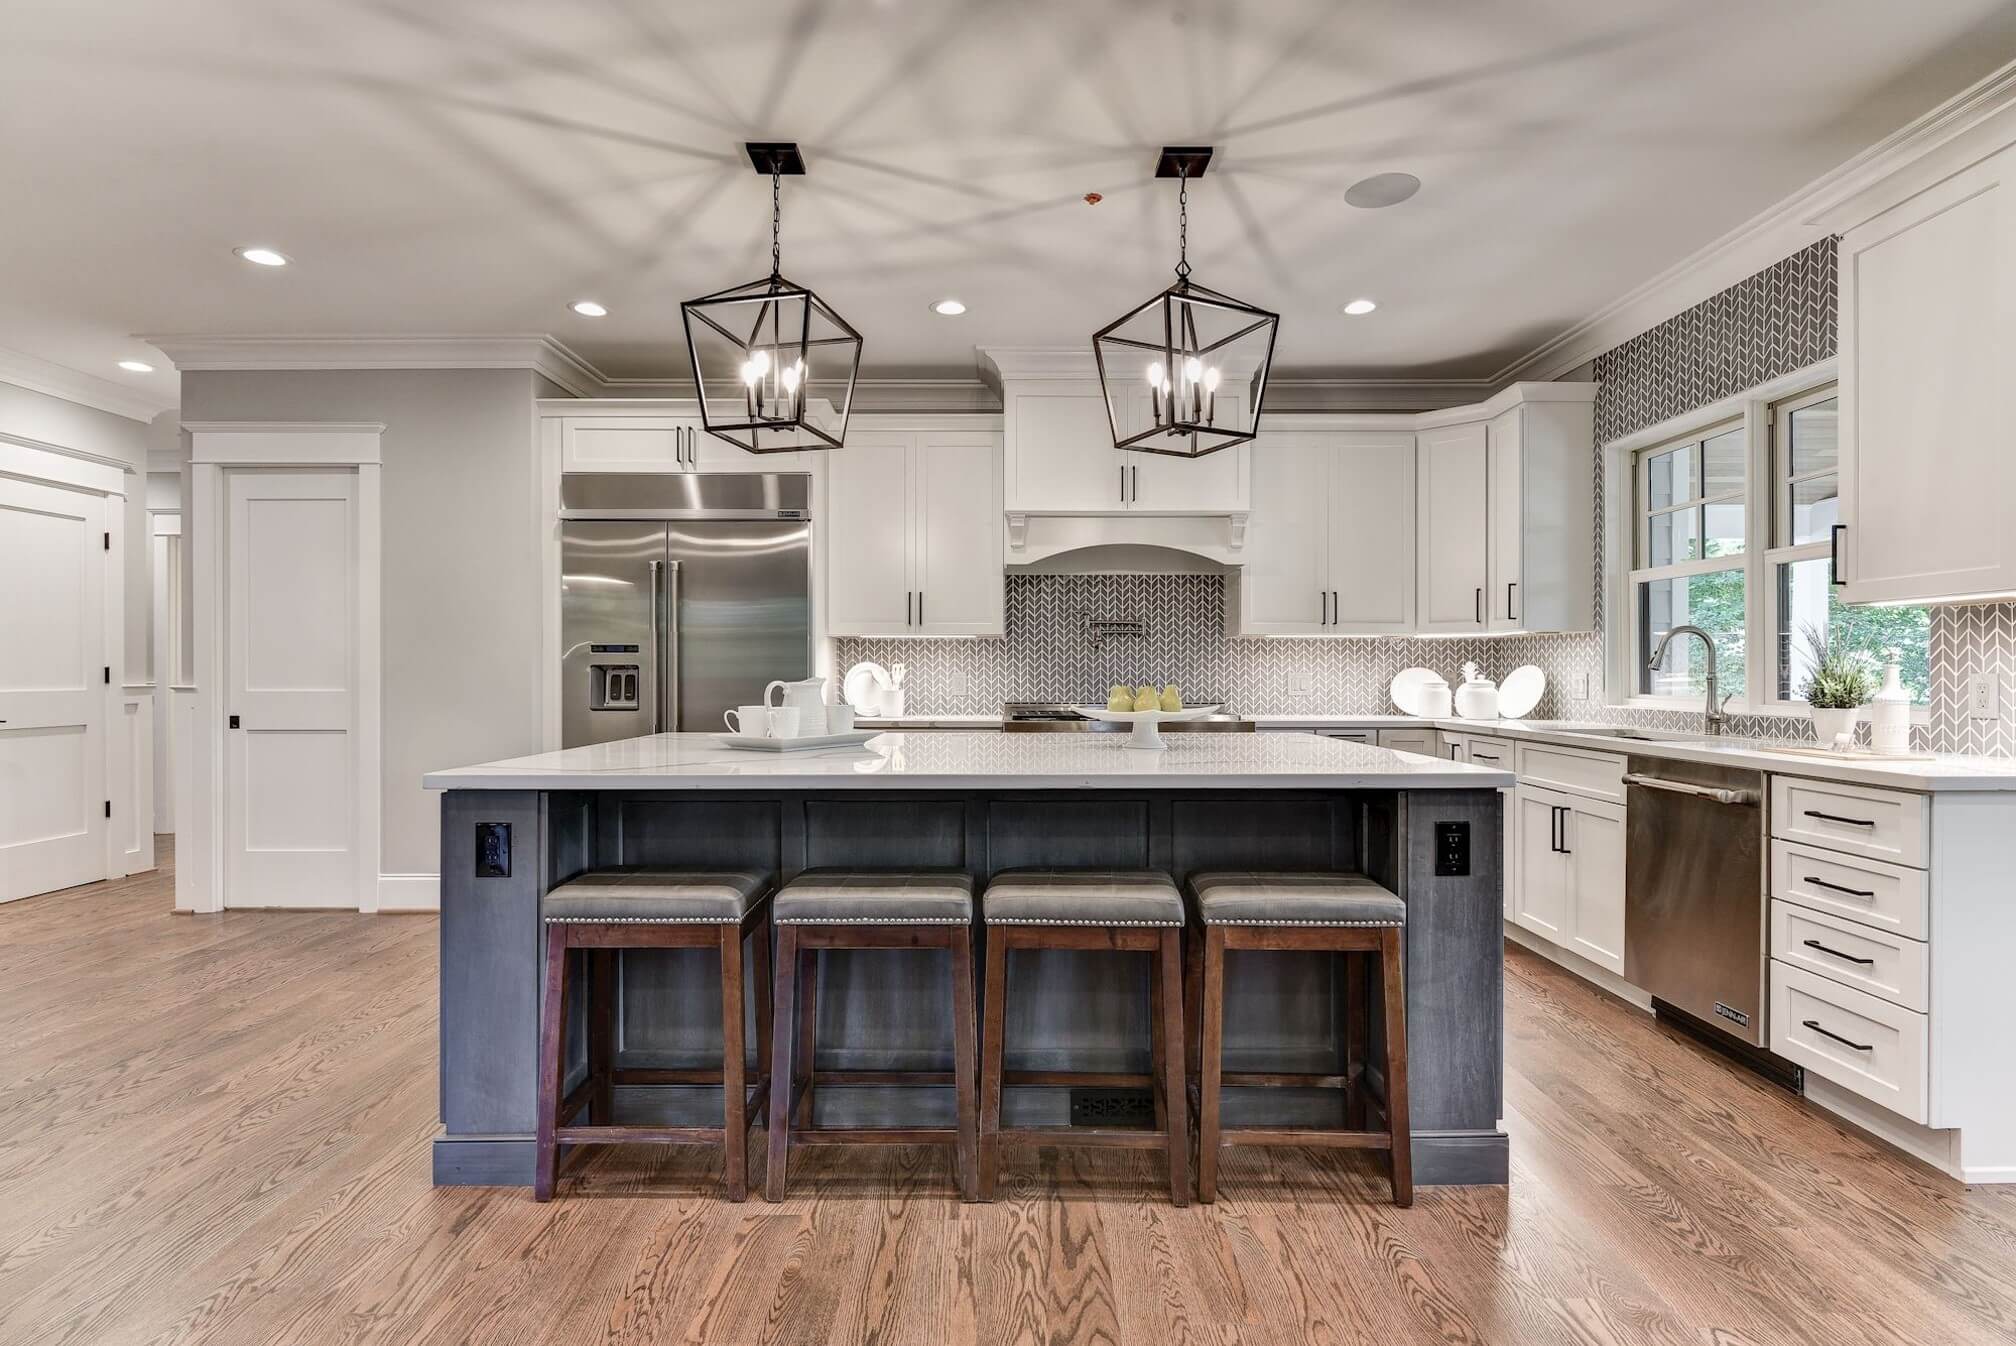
1716, 720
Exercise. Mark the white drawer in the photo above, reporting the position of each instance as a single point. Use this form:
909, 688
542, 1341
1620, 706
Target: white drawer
1881, 824
1424, 741
1888, 966
1495, 752
1600, 775
1868, 1046
1889, 897
1350, 735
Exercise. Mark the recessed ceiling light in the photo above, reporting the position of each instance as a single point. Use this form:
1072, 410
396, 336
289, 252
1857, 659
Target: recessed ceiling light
1359, 307
588, 308
948, 308
136, 366
262, 256
1381, 190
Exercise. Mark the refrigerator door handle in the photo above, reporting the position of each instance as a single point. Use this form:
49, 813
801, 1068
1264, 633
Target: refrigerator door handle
658, 646
668, 661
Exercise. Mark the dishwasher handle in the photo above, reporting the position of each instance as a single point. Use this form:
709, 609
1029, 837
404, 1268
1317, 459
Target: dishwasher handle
1720, 796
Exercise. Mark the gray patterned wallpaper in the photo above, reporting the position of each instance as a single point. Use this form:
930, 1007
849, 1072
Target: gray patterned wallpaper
1777, 321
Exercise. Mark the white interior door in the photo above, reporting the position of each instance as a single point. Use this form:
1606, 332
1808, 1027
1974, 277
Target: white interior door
290, 684
52, 688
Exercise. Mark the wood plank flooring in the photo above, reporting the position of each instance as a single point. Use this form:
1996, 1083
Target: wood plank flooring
215, 1129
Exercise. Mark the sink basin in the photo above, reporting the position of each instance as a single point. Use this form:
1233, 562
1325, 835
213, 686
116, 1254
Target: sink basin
1620, 731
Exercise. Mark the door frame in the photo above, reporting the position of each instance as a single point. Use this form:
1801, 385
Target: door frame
217, 448
41, 464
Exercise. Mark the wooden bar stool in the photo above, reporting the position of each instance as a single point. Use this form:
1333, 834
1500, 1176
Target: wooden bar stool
1137, 910
1347, 913
641, 908
853, 909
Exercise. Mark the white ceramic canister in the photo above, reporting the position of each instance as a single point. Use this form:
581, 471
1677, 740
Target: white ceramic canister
1434, 699
1477, 698
1890, 711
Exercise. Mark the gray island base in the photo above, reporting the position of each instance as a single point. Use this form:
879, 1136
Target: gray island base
981, 803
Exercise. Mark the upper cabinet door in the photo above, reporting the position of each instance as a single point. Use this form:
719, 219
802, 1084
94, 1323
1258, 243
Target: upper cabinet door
1504, 471
1371, 533
1060, 455
1928, 337
629, 443
1284, 583
1451, 546
869, 588
1216, 483
956, 481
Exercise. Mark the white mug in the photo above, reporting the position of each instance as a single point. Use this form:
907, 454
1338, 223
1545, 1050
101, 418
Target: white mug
749, 721
784, 721
840, 719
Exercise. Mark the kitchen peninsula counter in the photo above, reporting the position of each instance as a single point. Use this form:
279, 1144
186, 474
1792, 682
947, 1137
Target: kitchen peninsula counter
983, 802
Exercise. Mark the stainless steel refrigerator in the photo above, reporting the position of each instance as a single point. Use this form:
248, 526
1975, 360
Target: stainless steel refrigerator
680, 597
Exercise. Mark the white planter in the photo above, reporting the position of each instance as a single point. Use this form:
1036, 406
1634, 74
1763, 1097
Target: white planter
1829, 725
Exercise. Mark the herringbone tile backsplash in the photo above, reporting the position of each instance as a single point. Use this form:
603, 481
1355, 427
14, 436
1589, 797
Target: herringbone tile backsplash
1779, 320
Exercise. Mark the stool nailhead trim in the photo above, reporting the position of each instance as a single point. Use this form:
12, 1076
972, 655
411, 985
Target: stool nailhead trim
643, 920
875, 920
1032, 920
1243, 921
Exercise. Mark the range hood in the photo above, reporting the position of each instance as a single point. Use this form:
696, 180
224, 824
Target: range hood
1109, 558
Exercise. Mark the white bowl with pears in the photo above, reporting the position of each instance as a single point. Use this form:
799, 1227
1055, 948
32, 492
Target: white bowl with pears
1144, 710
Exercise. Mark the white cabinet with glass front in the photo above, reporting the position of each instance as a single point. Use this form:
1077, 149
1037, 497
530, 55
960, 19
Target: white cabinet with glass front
1730, 523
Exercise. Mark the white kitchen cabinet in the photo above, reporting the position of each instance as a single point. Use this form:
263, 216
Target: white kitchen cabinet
1927, 338
659, 443
1216, 483
1570, 876
1426, 742
913, 535
1330, 540
1505, 487
1061, 459
1453, 538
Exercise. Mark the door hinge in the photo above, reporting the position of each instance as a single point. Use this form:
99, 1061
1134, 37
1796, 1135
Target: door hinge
108, 542
108, 675
108, 808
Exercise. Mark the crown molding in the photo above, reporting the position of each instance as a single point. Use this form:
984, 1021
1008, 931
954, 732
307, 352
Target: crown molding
74, 385
538, 352
1795, 222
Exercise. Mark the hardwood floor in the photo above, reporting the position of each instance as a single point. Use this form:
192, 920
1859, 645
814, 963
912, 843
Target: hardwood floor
216, 1129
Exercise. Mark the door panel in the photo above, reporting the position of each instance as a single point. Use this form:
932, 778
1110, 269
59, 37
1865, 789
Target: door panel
607, 635
290, 677
1063, 457
52, 689
1596, 884
1283, 580
1506, 473
1543, 875
1211, 484
868, 578
1454, 510
741, 613
1371, 533
959, 581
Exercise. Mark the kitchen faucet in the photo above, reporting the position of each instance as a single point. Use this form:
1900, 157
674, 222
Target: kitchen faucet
1716, 720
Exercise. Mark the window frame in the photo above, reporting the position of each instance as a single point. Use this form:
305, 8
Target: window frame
1776, 554
1757, 410
1643, 572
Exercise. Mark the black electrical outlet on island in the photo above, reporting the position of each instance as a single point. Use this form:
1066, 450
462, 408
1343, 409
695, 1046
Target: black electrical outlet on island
1452, 850
493, 850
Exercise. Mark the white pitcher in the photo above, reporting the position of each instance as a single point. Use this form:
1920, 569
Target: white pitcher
809, 696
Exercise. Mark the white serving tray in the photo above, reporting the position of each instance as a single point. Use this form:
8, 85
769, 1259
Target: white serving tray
853, 738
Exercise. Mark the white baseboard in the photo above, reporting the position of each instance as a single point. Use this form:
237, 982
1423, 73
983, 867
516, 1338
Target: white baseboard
409, 892
1601, 977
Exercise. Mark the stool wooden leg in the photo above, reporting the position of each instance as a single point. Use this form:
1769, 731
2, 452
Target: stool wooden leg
759, 961
1169, 961
1356, 1030
990, 1061
964, 1050
734, 1052
552, 1060
806, 970
1193, 994
1213, 1064
602, 1035
1392, 978
1158, 1047
782, 1055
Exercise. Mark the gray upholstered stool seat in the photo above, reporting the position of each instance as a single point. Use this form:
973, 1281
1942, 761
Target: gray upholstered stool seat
1082, 897
876, 897
643, 895
1251, 897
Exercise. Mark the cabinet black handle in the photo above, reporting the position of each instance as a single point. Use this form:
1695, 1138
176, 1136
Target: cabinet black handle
1837, 818
1834, 555
1814, 1024
1845, 957
1852, 892
1510, 585
1480, 607
920, 607
908, 599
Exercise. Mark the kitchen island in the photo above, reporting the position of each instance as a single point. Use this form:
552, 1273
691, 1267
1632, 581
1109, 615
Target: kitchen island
1429, 830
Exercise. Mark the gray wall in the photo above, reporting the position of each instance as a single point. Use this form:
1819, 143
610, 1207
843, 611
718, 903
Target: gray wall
460, 563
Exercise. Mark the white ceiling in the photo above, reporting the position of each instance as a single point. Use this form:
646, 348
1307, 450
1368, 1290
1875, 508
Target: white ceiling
449, 166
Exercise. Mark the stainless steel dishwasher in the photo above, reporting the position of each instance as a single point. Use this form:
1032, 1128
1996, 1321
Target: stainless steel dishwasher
1696, 922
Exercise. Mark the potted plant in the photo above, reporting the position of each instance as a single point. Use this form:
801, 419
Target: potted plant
1839, 686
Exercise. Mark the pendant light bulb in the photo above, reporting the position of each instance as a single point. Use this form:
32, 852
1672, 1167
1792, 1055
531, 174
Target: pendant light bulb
759, 360
790, 377
750, 373
1155, 376
1193, 369
1211, 379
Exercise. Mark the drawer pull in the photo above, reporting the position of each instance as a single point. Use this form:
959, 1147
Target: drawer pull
1837, 818
1814, 1024
1845, 957
1835, 887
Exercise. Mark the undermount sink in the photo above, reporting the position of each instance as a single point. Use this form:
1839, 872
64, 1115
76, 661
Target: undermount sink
1620, 731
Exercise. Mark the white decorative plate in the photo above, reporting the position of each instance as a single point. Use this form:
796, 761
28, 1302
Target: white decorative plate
1146, 735
1407, 686
1520, 692
862, 687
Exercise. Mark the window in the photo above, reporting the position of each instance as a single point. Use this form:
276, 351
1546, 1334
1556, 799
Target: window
1804, 510
1689, 566
1729, 527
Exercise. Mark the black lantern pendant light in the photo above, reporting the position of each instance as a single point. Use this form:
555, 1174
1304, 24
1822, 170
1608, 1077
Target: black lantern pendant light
757, 347
1185, 373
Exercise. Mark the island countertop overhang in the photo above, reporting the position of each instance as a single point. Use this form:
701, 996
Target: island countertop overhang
994, 761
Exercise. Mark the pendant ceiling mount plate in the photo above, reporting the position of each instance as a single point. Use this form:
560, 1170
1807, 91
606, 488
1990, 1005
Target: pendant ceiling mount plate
776, 156
1183, 161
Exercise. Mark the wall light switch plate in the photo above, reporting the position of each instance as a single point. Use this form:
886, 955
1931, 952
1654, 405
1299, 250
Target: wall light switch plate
1984, 697
1584, 696
1298, 680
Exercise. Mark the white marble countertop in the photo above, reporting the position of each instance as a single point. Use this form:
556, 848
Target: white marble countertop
952, 760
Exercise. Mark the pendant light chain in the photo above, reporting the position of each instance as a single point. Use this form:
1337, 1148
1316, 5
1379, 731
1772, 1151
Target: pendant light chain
776, 220
1183, 225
